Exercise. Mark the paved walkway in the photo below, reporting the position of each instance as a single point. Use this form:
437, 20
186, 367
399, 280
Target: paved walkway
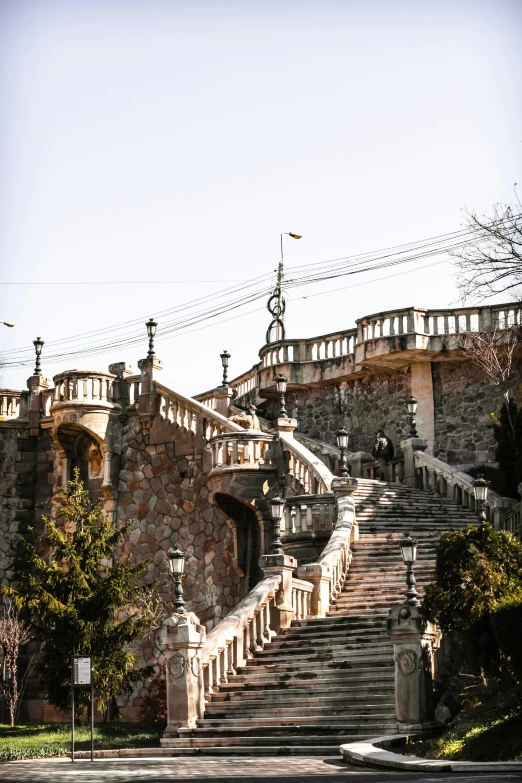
277, 769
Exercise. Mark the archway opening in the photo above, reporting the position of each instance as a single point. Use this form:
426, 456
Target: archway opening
84, 453
247, 539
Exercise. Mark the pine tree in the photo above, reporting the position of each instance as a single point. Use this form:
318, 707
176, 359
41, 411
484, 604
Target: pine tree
82, 602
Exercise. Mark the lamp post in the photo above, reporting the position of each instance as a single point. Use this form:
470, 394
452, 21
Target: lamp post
38, 345
412, 403
225, 358
342, 442
281, 382
151, 331
177, 566
480, 488
278, 506
408, 547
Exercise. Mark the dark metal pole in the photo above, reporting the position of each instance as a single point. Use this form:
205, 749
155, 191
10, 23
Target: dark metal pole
343, 466
412, 595
92, 715
72, 710
179, 603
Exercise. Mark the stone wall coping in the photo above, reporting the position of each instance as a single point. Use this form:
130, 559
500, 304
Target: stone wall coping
318, 468
374, 753
198, 407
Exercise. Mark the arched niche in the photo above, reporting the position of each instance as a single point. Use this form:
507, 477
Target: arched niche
83, 451
247, 539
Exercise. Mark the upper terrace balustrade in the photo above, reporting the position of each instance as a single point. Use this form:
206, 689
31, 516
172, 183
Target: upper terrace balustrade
83, 387
13, 404
387, 339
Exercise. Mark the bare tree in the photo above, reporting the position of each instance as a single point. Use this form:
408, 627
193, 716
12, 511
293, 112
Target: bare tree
14, 633
493, 352
492, 263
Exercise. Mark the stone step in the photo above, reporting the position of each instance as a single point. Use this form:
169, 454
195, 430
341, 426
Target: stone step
323, 658
290, 741
300, 650
270, 709
372, 693
325, 675
332, 723
305, 641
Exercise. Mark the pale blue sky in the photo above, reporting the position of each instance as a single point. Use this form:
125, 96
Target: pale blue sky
172, 141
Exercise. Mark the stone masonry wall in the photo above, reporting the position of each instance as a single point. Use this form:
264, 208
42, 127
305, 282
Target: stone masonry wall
464, 401
363, 406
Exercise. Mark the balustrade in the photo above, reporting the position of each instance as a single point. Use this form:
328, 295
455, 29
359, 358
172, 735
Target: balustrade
84, 386
242, 448
134, 384
311, 472
371, 470
12, 404
512, 521
309, 513
189, 413
302, 598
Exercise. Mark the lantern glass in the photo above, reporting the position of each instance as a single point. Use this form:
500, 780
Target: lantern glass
412, 405
408, 547
480, 488
342, 438
151, 327
281, 384
38, 344
278, 505
225, 356
177, 561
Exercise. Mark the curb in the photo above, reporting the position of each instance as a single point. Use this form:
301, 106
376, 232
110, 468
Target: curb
374, 753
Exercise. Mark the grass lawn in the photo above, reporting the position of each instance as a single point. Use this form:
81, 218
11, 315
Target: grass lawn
54, 739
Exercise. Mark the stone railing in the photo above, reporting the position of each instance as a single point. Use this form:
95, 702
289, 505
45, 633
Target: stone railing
328, 573
309, 513
302, 598
47, 398
325, 451
434, 475
187, 412
237, 637
13, 404
371, 470
248, 448
87, 387
134, 384
375, 336
307, 469
512, 520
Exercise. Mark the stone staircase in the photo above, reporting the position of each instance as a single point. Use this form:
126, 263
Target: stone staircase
326, 681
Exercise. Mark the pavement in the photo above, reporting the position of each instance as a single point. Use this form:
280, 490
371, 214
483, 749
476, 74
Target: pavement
276, 769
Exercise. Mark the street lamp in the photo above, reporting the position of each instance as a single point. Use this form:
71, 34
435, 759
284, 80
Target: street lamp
280, 382
412, 403
480, 488
177, 566
408, 547
151, 331
278, 506
342, 442
225, 357
38, 345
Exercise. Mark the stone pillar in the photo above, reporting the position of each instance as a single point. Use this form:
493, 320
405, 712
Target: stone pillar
409, 447
284, 565
320, 575
36, 384
422, 390
180, 639
223, 396
344, 487
148, 397
122, 371
284, 424
414, 641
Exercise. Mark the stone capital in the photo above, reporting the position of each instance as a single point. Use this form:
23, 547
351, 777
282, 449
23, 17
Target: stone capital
344, 485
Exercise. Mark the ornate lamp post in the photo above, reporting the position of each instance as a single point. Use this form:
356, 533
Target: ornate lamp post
412, 403
408, 547
225, 357
278, 507
480, 488
177, 566
342, 442
281, 382
151, 331
38, 345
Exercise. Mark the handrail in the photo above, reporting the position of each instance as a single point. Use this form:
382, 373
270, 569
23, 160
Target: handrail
13, 404
434, 475
512, 520
308, 469
250, 448
309, 513
237, 637
185, 411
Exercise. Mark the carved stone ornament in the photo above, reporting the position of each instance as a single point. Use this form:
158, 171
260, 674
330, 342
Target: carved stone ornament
176, 665
407, 662
194, 665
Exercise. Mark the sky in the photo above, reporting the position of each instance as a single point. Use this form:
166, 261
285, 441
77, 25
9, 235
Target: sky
152, 151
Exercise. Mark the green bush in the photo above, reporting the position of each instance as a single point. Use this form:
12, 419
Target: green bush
506, 618
507, 430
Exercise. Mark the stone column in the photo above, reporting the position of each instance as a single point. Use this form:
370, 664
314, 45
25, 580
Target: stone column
414, 641
343, 487
223, 396
180, 639
36, 384
284, 424
284, 565
148, 397
422, 390
320, 575
409, 447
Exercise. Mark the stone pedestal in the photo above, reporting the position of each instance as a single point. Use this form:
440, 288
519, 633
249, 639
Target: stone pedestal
414, 642
223, 396
320, 575
148, 397
36, 384
180, 639
357, 460
344, 487
409, 447
284, 424
284, 565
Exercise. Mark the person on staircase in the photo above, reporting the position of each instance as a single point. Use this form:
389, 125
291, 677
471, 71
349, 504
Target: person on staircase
248, 420
382, 452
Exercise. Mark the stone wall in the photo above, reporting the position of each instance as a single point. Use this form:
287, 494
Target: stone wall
363, 406
464, 401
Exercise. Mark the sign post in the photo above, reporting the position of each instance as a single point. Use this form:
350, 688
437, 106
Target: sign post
81, 675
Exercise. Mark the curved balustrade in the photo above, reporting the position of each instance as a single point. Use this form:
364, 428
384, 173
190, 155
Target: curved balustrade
13, 404
87, 387
245, 383
512, 521
432, 474
237, 637
309, 513
186, 412
248, 448
306, 468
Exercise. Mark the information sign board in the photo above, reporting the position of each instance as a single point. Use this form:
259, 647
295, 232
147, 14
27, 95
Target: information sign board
82, 670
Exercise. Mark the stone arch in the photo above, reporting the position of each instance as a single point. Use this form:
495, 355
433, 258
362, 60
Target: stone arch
81, 448
248, 538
